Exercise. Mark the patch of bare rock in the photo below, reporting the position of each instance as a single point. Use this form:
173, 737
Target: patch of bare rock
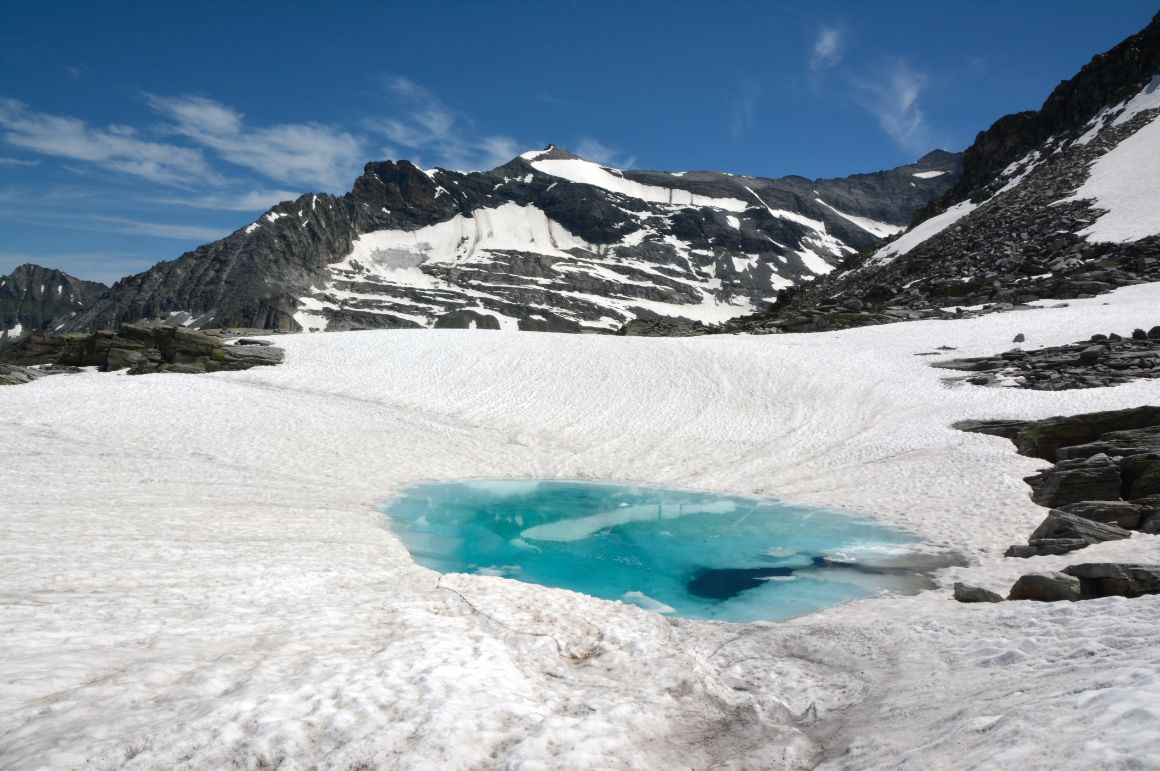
1105, 484
138, 348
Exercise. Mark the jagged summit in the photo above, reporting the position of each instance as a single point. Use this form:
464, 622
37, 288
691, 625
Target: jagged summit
31, 296
550, 153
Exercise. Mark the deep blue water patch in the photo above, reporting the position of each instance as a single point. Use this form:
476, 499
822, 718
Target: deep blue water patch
693, 554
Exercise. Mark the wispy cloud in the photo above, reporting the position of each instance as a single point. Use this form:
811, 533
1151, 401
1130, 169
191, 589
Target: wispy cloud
596, 151
133, 227
744, 104
116, 148
892, 95
71, 219
439, 134
308, 154
17, 162
254, 200
827, 50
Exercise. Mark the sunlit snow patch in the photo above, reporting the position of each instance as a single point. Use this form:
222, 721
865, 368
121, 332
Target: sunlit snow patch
694, 554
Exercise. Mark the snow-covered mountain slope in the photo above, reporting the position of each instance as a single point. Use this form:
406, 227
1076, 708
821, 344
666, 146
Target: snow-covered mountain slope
213, 586
548, 241
1059, 203
32, 296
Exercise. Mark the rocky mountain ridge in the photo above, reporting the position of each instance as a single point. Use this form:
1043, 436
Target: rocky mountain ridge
1052, 204
32, 296
548, 241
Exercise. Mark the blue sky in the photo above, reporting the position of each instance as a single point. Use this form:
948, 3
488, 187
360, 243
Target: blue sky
133, 132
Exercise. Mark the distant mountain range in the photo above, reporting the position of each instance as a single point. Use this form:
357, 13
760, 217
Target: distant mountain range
548, 241
1056, 203
32, 296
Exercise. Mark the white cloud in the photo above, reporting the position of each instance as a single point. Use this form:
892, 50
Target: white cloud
307, 154
431, 129
827, 50
892, 95
593, 150
17, 162
116, 148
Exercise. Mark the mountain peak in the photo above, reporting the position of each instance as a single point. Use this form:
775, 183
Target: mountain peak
550, 153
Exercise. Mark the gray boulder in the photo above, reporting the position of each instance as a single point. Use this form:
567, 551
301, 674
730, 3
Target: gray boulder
1048, 586
1061, 525
968, 593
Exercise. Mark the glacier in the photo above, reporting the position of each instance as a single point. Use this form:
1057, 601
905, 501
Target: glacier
197, 573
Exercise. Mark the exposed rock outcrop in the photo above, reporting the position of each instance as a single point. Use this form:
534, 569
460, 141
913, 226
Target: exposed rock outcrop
140, 349
1104, 360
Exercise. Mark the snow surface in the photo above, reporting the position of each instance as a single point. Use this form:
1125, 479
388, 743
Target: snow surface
923, 231
928, 174
226, 595
588, 173
16, 331
1125, 182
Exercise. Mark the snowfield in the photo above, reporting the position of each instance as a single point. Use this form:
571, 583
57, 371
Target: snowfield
196, 572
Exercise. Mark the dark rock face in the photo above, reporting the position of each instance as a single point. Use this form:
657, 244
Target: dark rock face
1047, 586
32, 296
1121, 513
1102, 458
1109, 579
143, 349
413, 248
1043, 438
1071, 481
